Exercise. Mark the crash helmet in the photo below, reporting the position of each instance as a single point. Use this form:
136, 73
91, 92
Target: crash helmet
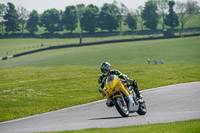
105, 67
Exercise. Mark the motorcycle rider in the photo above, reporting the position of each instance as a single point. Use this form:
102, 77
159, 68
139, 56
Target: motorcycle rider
106, 71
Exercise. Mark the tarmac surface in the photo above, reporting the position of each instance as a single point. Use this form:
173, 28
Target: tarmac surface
164, 104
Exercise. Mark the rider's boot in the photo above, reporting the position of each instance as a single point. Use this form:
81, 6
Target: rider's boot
136, 90
138, 95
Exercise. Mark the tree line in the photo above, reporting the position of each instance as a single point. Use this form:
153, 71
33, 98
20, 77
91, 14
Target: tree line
109, 17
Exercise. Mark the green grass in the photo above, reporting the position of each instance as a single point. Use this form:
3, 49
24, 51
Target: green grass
172, 51
53, 79
26, 91
14, 46
190, 126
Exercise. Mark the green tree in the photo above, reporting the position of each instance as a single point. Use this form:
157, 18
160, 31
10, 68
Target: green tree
150, 16
89, 21
33, 22
140, 20
131, 21
186, 10
11, 19
171, 19
80, 10
23, 16
51, 20
162, 10
70, 18
2, 13
123, 12
109, 17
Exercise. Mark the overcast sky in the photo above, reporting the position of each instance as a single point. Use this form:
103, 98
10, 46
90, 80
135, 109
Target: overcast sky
41, 5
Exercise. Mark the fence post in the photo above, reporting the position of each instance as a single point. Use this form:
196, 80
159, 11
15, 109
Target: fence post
80, 39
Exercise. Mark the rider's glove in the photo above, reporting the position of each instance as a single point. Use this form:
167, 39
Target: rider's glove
130, 81
126, 78
102, 93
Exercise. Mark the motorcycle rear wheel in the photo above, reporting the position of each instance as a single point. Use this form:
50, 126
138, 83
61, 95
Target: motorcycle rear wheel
122, 109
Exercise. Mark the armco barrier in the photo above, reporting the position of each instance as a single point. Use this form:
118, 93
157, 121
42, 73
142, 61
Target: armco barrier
93, 43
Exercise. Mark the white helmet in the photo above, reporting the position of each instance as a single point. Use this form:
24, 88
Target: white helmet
105, 67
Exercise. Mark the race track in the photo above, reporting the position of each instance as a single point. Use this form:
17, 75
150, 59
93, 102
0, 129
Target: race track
164, 104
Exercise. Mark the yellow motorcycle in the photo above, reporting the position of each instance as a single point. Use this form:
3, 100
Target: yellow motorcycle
123, 97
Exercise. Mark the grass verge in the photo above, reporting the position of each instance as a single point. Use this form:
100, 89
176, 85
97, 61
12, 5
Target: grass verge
190, 126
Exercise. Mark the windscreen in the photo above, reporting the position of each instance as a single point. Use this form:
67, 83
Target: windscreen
110, 79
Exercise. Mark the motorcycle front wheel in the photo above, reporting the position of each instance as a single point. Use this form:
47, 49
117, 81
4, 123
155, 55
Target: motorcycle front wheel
121, 108
142, 109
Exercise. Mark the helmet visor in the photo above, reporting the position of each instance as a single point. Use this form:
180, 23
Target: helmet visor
104, 71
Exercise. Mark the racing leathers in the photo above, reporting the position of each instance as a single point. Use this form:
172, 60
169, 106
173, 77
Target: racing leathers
102, 80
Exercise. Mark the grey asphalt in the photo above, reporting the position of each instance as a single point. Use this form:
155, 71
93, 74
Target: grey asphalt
165, 104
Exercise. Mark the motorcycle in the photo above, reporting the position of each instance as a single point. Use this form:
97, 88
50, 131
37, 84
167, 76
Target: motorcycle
123, 97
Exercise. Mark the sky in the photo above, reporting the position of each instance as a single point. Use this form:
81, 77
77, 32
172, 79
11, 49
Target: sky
42, 5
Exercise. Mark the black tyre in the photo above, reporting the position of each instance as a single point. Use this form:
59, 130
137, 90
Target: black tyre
142, 109
122, 109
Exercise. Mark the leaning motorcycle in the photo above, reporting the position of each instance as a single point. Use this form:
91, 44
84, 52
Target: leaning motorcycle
123, 97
